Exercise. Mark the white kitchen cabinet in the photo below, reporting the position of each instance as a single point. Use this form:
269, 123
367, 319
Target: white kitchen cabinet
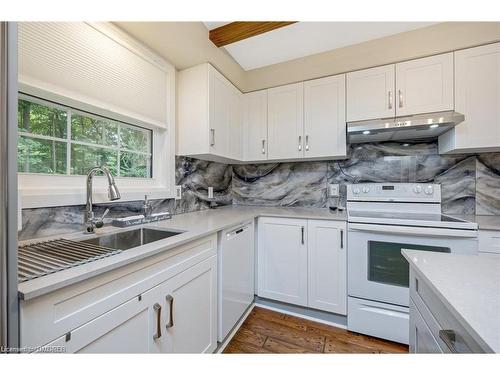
114, 311
191, 309
421, 338
128, 328
370, 93
255, 126
477, 97
424, 85
177, 316
324, 118
282, 260
286, 122
209, 115
327, 265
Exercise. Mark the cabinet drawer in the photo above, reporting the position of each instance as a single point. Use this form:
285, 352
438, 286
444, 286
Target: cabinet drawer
438, 317
489, 241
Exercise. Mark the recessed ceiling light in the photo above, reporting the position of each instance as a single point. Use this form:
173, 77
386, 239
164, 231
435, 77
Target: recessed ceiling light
434, 126
366, 132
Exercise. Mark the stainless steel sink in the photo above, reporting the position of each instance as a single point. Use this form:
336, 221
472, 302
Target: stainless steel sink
131, 238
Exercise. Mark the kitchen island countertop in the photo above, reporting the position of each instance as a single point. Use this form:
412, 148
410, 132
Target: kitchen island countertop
469, 286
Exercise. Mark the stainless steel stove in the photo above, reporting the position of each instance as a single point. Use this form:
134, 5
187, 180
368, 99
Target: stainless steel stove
383, 219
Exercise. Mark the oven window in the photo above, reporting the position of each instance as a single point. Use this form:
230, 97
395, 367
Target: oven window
387, 265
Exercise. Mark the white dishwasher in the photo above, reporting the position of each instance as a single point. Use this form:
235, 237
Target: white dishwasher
236, 275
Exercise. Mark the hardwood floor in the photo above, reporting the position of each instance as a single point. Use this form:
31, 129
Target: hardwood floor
267, 331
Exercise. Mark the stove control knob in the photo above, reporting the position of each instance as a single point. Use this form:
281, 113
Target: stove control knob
355, 190
429, 190
366, 189
417, 189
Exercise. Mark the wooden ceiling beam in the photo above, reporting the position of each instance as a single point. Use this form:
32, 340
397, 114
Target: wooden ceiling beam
236, 31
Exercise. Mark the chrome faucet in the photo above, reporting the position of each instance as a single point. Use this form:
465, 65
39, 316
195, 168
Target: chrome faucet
113, 194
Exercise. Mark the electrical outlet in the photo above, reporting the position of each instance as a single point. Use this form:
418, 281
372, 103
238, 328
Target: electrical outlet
178, 192
210, 192
333, 190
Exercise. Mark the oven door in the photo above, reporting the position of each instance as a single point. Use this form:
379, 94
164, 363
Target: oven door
376, 268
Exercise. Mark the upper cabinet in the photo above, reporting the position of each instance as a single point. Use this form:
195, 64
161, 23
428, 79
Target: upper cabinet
209, 115
255, 126
286, 122
370, 94
324, 118
403, 89
424, 85
477, 97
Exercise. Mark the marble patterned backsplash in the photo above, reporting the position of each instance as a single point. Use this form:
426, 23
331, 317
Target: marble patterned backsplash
470, 184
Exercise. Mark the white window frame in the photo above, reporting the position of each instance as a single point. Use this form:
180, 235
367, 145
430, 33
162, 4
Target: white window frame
47, 190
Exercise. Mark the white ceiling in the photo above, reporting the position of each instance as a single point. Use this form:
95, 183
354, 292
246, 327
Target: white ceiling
308, 38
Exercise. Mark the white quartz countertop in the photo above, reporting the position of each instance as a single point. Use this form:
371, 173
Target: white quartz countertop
469, 286
194, 225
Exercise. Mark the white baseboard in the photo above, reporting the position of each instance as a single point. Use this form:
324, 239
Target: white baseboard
298, 315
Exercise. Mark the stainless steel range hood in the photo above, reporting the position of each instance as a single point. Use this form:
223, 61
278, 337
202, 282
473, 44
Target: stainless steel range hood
428, 125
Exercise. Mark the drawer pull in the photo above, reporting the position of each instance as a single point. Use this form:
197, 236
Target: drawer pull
170, 301
157, 309
448, 336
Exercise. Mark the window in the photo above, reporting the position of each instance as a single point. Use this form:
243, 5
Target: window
59, 140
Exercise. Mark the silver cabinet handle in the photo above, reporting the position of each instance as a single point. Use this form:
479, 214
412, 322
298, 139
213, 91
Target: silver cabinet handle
341, 238
400, 94
448, 336
263, 146
212, 137
300, 143
157, 309
302, 233
390, 99
170, 301
307, 143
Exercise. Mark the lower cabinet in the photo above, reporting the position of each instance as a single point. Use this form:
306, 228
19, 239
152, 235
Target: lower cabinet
303, 262
191, 310
282, 260
162, 304
327, 266
421, 338
177, 316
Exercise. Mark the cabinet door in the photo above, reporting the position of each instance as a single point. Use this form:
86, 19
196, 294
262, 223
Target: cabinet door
327, 266
370, 94
191, 309
421, 338
324, 117
255, 126
128, 328
477, 96
286, 122
424, 85
282, 260
219, 114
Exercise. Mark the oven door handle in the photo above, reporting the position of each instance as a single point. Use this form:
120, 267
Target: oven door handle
413, 231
